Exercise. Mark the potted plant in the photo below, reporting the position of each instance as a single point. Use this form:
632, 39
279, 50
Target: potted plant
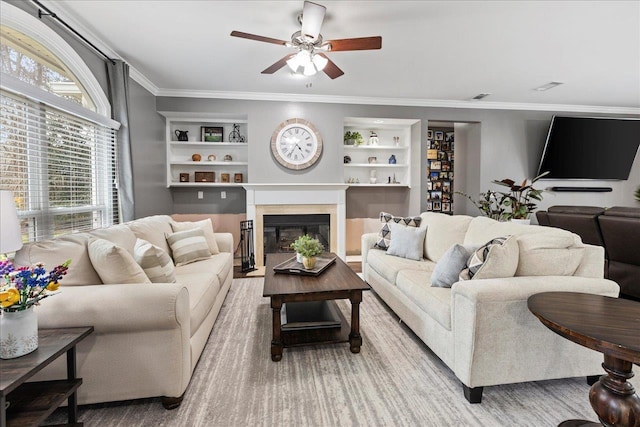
516, 204
637, 195
352, 138
308, 248
521, 199
297, 246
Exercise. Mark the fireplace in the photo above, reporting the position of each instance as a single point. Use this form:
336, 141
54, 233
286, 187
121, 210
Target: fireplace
281, 230
299, 200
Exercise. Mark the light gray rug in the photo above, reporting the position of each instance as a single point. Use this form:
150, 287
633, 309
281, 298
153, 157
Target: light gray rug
394, 381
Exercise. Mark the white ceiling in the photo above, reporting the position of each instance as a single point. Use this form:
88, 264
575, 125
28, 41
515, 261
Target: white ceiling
431, 50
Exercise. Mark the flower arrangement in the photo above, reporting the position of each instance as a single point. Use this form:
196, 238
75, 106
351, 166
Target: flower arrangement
352, 138
307, 246
23, 287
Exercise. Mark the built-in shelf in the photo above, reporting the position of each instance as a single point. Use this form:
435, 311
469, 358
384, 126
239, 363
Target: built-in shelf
207, 163
376, 165
375, 147
380, 185
206, 184
197, 144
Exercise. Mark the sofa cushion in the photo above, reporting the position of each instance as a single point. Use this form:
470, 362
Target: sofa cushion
121, 235
436, 302
54, 252
447, 270
443, 231
207, 228
408, 242
153, 229
389, 266
384, 236
114, 264
155, 262
495, 259
188, 246
557, 253
482, 229
220, 264
201, 280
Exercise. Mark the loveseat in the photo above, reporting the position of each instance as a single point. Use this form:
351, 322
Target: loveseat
148, 337
481, 328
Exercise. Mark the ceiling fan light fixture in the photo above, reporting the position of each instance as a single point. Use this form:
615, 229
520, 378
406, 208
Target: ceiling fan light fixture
320, 62
300, 59
309, 69
312, 17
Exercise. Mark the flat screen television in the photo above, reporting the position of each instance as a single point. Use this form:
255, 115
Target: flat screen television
590, 148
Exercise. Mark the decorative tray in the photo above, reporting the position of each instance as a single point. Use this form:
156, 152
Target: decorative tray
291, 266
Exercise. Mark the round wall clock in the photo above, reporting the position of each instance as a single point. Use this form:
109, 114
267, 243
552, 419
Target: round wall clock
296, 144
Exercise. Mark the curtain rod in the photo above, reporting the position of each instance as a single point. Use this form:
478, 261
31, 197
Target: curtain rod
77, 34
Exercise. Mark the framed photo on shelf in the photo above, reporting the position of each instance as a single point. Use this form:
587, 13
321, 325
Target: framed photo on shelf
237, 177
205, 176
429, 135
439, 135
448, 137
211, 133
225, 177
184, 177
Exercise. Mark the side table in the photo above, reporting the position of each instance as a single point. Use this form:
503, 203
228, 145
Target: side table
610, 326
30, 403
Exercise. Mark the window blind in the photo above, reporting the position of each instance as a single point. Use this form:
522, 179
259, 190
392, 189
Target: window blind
60, 167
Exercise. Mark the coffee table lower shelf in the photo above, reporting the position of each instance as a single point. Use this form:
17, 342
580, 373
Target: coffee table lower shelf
33, 402
318, 336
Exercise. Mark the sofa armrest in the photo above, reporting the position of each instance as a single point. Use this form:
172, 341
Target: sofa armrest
366, 242
495, 335
225, 242
118, 308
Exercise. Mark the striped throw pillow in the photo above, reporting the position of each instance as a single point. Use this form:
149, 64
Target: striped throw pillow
495, 259
155, 262
188, 246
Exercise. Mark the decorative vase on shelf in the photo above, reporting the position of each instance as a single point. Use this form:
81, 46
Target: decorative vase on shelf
373, 178
309, 262
18, 333
182, 135
373, 138
392, 159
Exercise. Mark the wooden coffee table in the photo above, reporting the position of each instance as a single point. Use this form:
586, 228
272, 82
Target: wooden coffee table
610, 326
337, 282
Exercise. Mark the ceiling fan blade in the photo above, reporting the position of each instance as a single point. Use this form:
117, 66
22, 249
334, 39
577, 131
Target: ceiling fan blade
275, 67
312, 17
362, 43
331, 69
257, 38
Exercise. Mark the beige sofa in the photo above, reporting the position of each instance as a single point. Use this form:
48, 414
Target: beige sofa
148, 336
482, 329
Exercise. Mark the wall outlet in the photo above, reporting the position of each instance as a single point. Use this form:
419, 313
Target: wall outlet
223, 194
200, 195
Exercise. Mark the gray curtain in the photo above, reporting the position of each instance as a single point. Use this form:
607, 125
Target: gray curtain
118, 75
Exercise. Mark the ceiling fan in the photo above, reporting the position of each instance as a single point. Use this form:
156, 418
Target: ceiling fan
311, 47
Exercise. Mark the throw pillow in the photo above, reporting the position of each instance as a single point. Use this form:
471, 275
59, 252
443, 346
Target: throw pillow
407, 242
207, 228
496, 258
449, 267
155, 262
188, 246
384, 236
114, 264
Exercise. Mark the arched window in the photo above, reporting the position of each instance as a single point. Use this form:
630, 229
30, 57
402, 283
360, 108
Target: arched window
57, 142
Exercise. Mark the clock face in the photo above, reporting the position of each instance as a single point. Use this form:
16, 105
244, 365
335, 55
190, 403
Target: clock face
296, 144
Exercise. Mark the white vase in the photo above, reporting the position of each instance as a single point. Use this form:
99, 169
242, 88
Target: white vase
521, 221
18, 333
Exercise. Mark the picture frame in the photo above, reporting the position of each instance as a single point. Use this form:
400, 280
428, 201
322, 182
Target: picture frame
437, 185
442, 155
437, 206
439, 135
225, 177
429, 186
446, 166
432, 154
429, 206
237, 177
435, 165
446, 146
446, 207
443, 175
435, 195
434, 176
211, 133
205, 177
435, 145
429, 135
184, 177
448, 136
446, 186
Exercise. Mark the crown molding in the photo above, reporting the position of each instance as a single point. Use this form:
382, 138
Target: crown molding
143, 80
405, 102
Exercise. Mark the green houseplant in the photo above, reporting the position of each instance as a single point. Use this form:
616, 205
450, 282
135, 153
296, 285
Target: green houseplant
637, 194
352, 138
308, 248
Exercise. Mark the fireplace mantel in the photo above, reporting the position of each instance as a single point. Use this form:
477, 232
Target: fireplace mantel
303, 198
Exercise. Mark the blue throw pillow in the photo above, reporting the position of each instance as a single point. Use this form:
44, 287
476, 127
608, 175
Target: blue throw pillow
450, 265
407, 242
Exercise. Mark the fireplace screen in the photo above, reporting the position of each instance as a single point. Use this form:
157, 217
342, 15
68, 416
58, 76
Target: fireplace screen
281, 230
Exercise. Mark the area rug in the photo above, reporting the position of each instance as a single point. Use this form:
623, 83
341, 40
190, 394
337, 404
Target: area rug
395, 381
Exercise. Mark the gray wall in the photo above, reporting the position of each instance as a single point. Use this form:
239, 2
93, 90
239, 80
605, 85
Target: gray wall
501, 144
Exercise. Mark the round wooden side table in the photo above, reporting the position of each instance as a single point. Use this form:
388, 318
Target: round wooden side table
610, 326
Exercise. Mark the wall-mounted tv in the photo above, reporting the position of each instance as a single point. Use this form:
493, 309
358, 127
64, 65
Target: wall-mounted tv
590, 148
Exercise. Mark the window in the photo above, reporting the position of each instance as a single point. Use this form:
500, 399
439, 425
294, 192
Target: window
57, 155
